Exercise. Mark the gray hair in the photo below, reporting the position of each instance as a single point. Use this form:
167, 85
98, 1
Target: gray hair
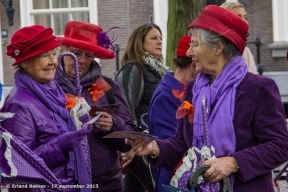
213, 40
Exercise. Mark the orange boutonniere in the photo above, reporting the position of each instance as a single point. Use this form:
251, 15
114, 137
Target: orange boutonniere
98, 89
70, 100
178, 93
184, 109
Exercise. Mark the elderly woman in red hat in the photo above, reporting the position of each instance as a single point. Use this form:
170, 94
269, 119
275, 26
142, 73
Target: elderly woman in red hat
88, 41
165, 101
41, 119
246, 125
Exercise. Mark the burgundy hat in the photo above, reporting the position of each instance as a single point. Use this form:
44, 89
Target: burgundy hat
88, 37
183, 46
31, 41
223, 22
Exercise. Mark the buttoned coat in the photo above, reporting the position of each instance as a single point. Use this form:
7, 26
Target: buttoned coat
261, 134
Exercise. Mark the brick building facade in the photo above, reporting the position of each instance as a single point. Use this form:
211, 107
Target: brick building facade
125, 14
259, 14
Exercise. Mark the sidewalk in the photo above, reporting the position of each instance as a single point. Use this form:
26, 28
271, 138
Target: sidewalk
283, 186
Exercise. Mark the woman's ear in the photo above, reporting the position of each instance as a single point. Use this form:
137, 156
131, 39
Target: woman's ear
23, 64
193, 69
219, 48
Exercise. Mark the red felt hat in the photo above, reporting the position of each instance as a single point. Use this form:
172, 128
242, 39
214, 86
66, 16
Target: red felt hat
183, 46
31, 41
223, 22
88, 37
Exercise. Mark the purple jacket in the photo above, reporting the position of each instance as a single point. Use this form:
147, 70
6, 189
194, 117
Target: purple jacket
106, 169
33, 125
261, 134
164, 106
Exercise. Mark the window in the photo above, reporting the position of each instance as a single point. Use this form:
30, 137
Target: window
280, 19
56, 13
280, 29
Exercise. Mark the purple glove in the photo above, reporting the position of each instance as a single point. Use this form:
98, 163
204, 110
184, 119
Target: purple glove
69, 141
84, 118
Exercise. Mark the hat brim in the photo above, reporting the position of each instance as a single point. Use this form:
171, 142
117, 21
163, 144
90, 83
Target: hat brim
99, 51
45, 46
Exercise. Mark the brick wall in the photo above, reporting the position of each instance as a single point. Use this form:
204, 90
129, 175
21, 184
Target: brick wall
259, 14
128, 15
8, 70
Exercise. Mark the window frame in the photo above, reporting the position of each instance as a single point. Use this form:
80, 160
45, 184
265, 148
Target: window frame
27, 19
280, 17
280, 30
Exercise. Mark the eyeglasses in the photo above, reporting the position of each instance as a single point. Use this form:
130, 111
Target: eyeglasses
194, 45
80, 54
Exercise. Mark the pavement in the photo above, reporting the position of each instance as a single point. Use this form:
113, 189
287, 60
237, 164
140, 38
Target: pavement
282, 181
283, 186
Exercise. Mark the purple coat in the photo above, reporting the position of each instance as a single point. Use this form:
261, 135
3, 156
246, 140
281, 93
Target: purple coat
33, 125
164, 106
106, 169
261, 134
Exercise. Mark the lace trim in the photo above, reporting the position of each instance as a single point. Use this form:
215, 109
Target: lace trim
81, 107
8, 155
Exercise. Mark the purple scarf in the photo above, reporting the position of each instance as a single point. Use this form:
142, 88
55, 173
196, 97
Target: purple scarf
221, 100
68, 83
53, 97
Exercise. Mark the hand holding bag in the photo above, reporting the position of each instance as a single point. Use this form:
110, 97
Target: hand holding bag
191, 163
193, 183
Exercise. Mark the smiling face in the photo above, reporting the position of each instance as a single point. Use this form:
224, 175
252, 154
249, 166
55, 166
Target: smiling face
85, 59
153, 43
42, 67
240, 12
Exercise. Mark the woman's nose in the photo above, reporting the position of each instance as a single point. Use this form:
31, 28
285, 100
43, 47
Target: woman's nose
190, 52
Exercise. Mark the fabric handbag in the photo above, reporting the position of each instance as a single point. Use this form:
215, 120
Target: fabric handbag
192, 160
193, 183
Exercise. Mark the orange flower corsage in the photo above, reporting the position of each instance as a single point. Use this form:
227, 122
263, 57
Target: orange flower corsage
70, 100
98, 89
184, 109
178, 93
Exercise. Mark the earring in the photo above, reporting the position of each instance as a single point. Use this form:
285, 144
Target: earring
192, 74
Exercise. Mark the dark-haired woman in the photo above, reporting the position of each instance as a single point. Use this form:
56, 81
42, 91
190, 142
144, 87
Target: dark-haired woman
165, 101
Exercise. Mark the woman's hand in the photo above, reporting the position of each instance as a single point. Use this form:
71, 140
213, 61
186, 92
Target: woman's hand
275, 184
105, 122
141, 150
220, 168
127, 158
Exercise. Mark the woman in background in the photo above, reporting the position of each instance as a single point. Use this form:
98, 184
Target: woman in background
165, 101
141, 72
